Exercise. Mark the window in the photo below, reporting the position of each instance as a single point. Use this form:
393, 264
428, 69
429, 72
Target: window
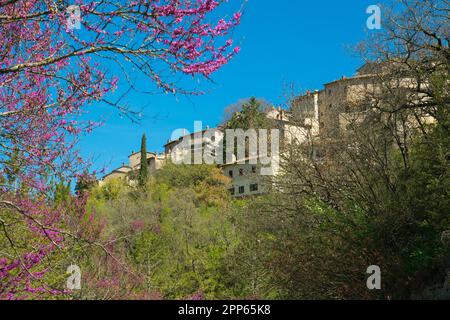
230, 173
241, 172
233, 191
254, 187
241, 190
253, 169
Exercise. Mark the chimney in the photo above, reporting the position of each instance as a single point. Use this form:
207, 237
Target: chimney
316, 105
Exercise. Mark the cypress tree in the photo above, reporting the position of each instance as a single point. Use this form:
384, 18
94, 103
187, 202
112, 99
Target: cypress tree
143, 171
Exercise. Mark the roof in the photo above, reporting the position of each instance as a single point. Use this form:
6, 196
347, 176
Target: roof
152, 153
122, 169
369, 68
190, 135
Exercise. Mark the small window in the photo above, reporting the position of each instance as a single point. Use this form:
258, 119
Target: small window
253, 169
241, 190
230, 173
254, 187
233, 191
241, 172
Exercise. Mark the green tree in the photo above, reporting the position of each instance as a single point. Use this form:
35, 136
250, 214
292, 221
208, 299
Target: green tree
178, 233
251, 116
143, 171
61, 193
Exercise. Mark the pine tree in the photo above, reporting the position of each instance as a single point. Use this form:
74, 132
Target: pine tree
143, 171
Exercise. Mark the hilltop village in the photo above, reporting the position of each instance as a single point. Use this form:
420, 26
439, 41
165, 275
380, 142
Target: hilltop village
315, 118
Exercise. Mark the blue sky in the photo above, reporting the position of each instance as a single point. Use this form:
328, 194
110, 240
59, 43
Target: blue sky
283, 43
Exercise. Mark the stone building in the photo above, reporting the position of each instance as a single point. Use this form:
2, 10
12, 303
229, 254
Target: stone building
192, 148
334, 103
206, 146
246, 174
346, 100
119, 173
128, 172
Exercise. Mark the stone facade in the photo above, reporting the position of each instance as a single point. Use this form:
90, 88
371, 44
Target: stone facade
155, 162
343, 101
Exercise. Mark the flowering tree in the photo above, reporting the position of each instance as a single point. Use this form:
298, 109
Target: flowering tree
52, 64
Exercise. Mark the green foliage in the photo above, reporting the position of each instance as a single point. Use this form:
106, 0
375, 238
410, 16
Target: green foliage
326, 223
143, 171
178, 233
252, 116
425, 189
183, 176
62, 193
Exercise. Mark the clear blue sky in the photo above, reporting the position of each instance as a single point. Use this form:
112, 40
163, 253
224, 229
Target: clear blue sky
283, 42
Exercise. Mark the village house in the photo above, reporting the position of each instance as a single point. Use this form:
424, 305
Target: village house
319, 116
128, 172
